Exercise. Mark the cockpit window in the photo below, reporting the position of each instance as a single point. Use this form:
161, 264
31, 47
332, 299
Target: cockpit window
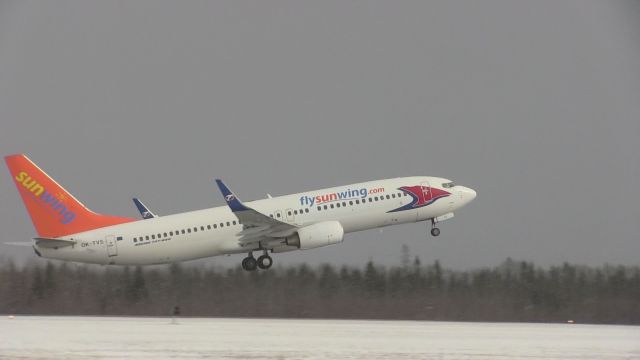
448, 185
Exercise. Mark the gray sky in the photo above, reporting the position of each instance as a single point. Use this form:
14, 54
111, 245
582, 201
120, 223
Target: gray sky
536, 105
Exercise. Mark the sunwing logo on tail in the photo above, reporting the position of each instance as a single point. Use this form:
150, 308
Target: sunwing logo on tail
54, 202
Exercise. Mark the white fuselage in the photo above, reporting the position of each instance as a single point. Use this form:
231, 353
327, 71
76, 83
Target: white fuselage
210, 232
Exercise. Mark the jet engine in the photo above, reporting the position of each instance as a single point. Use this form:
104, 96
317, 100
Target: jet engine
317, 235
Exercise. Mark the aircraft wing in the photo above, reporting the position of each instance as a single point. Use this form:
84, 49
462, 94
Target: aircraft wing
256, 225
144, 211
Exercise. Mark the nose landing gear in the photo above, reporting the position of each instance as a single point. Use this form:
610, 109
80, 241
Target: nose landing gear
434, 230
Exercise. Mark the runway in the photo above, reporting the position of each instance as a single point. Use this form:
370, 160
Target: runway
35, 337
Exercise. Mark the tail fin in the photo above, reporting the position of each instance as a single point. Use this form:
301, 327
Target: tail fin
54, 211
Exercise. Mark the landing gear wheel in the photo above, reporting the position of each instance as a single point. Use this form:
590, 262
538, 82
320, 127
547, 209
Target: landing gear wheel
265, 262
249, 263
435, 231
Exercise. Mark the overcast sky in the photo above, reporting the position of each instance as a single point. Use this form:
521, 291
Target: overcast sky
536, 105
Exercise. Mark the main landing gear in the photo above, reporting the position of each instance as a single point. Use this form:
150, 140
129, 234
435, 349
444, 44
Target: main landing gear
434, 230
263, 262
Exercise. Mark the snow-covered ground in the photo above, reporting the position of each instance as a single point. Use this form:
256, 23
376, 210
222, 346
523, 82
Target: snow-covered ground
36, 337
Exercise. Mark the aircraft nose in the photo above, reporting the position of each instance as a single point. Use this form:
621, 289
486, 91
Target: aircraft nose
467, 194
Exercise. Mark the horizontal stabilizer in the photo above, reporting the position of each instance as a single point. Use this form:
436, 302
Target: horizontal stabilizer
20, 243
51, 243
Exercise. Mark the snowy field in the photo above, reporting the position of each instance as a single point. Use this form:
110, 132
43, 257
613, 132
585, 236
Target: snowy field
200, 338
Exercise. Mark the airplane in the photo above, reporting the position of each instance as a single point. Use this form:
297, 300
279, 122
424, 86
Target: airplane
68, 230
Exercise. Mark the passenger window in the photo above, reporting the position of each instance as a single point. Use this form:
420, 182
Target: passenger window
295, 212
147, 237
202, 228
165, 234
350, 202
325, 207
278, 214
289, 212
189, 231
344, 203
153, 236
134, 240
319, 208
306, 210
195, 229
208, 227
170, 233
215, 226
332, 206
357, 202
271, 215
388, 197
338, 204
228, 223
183, 231
221, 225
234, 222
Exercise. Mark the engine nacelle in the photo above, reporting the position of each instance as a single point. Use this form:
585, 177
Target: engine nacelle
317, 235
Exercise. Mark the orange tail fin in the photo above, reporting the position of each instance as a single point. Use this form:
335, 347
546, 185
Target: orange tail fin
53, 210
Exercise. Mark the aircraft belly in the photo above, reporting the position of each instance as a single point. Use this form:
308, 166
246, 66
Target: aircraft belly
172, 251
363, 221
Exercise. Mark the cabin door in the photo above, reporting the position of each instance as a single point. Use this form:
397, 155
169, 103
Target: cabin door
112, 247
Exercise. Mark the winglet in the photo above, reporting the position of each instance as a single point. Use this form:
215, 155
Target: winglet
232, 200
144, 211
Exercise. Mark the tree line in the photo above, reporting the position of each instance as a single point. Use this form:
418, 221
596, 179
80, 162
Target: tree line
511, 291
